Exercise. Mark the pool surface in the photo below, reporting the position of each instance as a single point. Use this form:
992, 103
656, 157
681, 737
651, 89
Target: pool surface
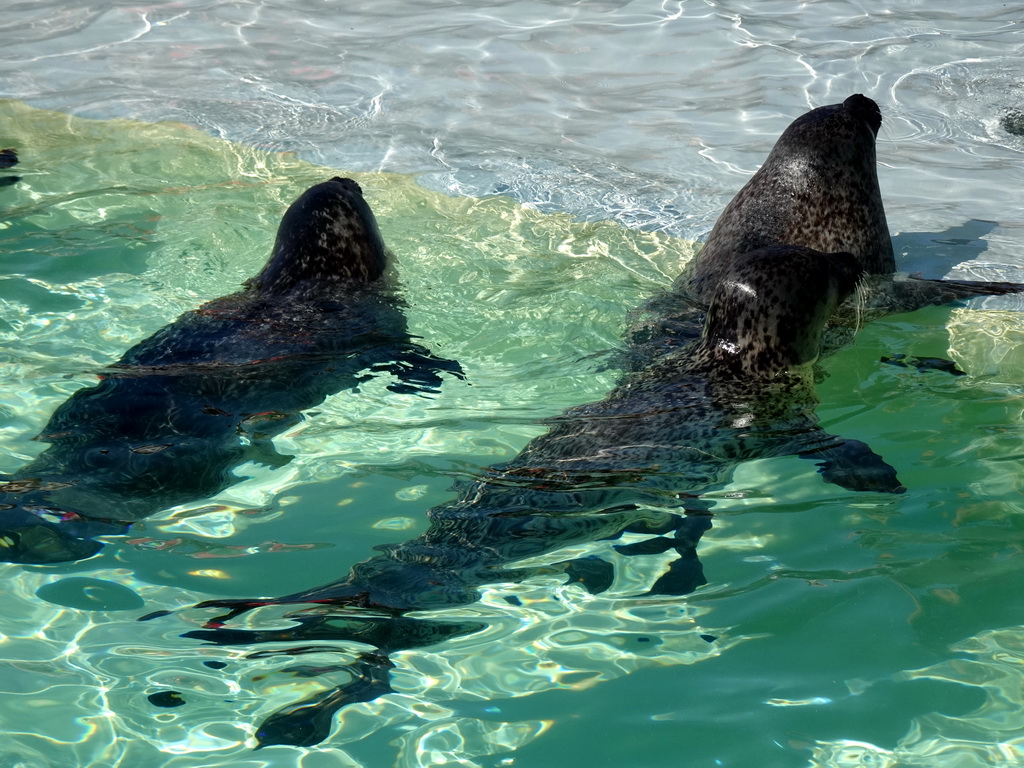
539, 170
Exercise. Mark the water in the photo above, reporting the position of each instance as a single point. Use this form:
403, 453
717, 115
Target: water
848, 630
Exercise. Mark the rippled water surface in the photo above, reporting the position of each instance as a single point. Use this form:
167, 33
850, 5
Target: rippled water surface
539, 169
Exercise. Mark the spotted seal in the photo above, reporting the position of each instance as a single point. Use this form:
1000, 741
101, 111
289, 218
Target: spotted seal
1012, 121
169, 422
818, 188
636, 461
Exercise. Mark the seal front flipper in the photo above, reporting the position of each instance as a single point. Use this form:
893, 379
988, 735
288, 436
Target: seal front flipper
852, 464
924, 364
418, 370
958, 289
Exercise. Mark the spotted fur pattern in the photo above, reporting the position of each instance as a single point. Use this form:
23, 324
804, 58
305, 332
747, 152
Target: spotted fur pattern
817, 189
327, 238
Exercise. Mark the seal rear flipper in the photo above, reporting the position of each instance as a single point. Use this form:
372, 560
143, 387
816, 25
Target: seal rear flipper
910, 293
309, 721
418, 370
686, 573
924, 364
852, 464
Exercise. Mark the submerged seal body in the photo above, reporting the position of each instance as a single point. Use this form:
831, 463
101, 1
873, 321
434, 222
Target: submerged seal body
168, 422
662, 437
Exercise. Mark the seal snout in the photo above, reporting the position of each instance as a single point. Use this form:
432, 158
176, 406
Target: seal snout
846, 270
865, 109
349, 184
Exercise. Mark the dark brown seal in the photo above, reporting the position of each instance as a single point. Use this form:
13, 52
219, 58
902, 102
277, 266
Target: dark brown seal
818, 188
170, 421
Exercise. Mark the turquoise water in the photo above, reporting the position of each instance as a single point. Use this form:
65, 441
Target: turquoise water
850, 630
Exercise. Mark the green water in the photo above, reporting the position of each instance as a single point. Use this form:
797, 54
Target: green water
845, 629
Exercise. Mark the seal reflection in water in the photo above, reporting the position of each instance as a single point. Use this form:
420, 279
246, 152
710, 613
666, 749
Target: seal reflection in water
636, 461
179, 411
818, 188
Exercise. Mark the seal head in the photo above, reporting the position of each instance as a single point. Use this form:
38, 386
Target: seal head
328, 239
771, 306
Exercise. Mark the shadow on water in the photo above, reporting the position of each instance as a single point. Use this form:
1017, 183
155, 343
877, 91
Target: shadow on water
935, 254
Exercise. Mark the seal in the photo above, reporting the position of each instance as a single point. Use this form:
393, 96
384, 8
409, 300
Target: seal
168, 423
636, 461
818, 188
